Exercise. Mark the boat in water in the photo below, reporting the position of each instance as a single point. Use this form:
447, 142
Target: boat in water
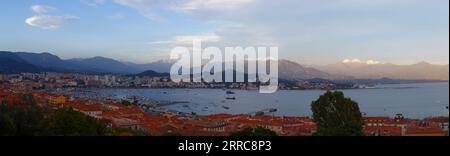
231, 98
230, 92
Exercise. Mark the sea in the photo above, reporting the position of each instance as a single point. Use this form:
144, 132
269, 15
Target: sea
418, 100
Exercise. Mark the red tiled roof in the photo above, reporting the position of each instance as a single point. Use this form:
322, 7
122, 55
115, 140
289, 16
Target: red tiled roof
220, 116
383, 130
441, 119
377, 118
425, 131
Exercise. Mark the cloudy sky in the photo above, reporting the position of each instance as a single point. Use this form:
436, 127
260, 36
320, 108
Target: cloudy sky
306, 31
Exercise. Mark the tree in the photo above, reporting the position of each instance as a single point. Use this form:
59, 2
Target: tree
7, 124
20, 120
23, 117
336, 115
259, 131
67, 122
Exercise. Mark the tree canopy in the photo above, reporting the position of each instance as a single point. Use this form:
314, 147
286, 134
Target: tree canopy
23, 117
20, 120
68, 122
336, 115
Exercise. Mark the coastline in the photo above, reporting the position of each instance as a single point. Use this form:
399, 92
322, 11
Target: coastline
216, 100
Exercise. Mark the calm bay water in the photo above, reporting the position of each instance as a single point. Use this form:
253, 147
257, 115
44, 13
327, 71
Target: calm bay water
413, 100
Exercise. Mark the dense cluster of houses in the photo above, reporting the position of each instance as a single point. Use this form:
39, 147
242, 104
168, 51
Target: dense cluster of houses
399, 126
133, 117
49, 80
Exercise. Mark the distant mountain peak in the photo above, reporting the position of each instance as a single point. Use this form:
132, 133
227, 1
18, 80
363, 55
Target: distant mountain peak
293, 71
152, 73
101, 57
419, 71
423, 63
288, 70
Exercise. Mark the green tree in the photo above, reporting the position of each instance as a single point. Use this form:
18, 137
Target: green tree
259, 131
7, 124
20, 120
67, 122
337, 115
24, 117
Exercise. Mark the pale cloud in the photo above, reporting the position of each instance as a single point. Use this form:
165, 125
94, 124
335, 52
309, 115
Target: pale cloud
213, 4
93, 3
204, 38
42, 9
188, 39
150, 8
49, 22
227, 34
302, 28
368, 62
373, 62
186, 4
352, 61
147, 8
142, 3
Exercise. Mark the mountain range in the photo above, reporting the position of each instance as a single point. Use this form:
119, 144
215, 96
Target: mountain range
12, 63
16, 62
418, 71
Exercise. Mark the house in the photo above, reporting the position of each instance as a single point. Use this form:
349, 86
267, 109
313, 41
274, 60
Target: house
92, 110
438, 121
376, 121
425, 131
57, 100
303, 129
383, 131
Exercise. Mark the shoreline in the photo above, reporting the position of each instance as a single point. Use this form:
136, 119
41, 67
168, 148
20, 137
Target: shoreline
218, 105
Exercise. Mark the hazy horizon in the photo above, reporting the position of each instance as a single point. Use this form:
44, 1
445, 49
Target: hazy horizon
357, 61
316, 32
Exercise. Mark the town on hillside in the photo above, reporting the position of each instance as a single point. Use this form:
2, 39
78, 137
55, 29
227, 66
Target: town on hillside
137, 117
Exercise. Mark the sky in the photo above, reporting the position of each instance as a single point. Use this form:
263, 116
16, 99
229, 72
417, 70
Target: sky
306, 31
